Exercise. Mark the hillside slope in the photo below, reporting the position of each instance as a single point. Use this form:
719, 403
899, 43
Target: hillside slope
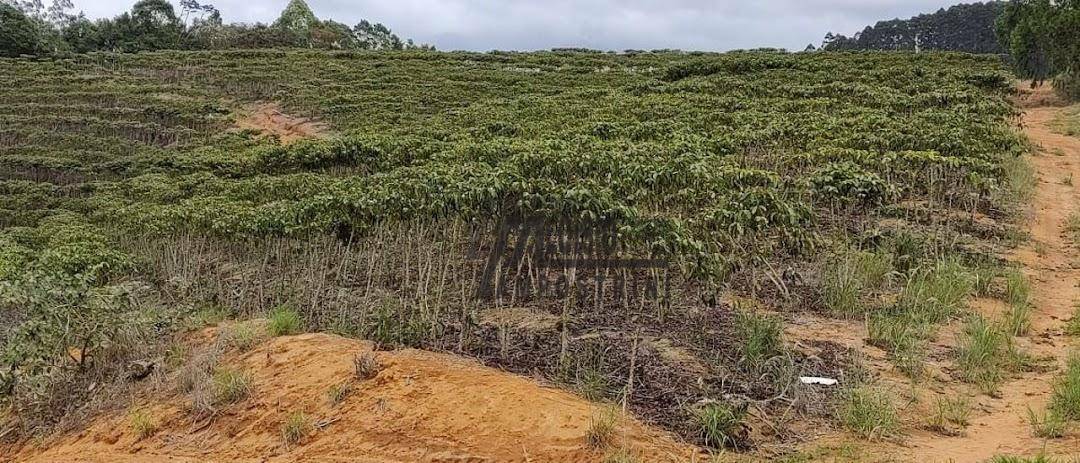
420, 407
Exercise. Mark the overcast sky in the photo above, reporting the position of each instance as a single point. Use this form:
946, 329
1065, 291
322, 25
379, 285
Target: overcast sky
604, 24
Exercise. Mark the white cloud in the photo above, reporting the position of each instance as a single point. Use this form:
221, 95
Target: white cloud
603, 24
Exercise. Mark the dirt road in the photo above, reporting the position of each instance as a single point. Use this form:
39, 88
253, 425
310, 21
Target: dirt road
1003, 428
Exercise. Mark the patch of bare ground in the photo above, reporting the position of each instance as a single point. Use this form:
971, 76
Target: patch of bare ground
271, 120
418, 407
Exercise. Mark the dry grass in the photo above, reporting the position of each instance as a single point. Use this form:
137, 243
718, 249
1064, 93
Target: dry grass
366, 366
142, 424
230, 385
338, 393
602, 426
296, 427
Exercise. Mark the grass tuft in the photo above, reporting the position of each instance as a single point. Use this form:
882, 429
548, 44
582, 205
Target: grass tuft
950, 415
850, 276
622, 455
366, 366
1072, 227
868, 412
1065, 398
142, 424
1013, 459
1072, 327
981, 355
933, 295
760, 336
1049, 425
338, 393
241, 336
602, 426
230, 386
296, 427
284, 321
1020, 177
902, 338
719, 424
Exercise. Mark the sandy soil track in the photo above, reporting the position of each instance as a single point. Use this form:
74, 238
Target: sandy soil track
1055, 275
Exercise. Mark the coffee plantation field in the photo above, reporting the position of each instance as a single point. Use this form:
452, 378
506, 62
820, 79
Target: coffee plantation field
131, 206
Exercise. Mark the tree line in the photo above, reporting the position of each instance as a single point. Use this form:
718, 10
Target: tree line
1042, 38
967, 27
29, 27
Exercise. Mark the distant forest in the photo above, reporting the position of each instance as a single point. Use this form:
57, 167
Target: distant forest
29, 27
966, 28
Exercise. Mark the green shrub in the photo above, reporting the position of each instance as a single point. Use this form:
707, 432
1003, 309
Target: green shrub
284, 321
868, 412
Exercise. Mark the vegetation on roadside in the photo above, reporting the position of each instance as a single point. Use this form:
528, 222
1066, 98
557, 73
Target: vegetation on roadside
1067, 122
868, 412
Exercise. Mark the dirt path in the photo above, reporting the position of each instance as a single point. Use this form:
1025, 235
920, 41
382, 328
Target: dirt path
1003, 426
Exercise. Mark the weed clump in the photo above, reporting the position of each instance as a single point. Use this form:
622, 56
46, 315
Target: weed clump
142, 424
366, 366
868, 412
950, 415
1049, 425
296, 427
602, 426
719, 424
284, 321
1065, 398
230, 386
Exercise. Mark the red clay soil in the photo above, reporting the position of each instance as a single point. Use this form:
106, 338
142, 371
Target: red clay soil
422, 407
269, 119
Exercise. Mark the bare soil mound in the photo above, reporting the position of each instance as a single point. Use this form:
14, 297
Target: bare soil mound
270, 119
421, 407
